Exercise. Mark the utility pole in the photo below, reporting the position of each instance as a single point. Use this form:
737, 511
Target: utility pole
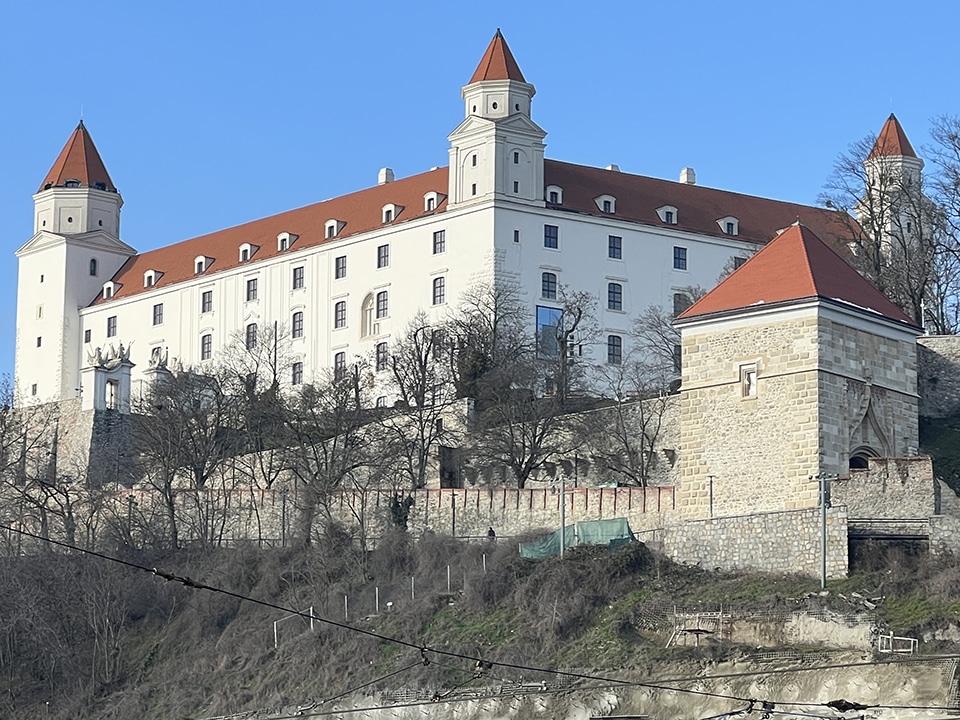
823, 479
563, 513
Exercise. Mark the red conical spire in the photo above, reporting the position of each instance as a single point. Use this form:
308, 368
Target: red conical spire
497, 63
892, 141
79, 162
795, 265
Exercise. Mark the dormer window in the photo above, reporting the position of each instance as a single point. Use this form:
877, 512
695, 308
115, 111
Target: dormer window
109, 288
432, 200
285, 241
150, 278
606, 203
554, 194
201, 263
72, 184
730, 225
668, 214
247, 251
390, 212
332, 228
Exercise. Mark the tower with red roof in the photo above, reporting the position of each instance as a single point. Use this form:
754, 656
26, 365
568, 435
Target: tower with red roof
794, 366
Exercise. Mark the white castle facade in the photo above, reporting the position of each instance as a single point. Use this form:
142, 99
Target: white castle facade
344, 277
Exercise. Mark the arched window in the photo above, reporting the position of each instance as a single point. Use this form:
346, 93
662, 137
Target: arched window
366, 316
93, 267
251, 336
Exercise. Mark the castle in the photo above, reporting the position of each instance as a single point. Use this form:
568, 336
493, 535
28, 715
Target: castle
793, 368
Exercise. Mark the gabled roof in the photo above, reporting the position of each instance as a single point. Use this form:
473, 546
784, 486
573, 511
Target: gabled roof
698, 207
892, 141
796, 265
79, 161
497, 63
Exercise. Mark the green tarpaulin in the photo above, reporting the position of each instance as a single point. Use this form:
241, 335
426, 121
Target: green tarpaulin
612, 533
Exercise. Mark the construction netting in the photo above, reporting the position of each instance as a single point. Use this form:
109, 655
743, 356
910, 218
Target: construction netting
612, 533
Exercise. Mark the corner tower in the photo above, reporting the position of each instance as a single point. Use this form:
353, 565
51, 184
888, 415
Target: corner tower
75, 248
497, 151
793, 366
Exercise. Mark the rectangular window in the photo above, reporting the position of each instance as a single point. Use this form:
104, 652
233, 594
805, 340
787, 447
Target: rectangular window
251, 289
439, 242
439, 291
33, 389
206, 346
297, 325
554, 197
679, 258
86, 336
614, 296
158, 314
340, 314
340, 267
516, 158
548, 327
298, 278
111, 326
516, 236
382, 307
383, 256
381, 361
250, 336
614, 349
339, 365
681, 301
748, 381
516, 186
551, 236
615, 247
206, 301
548, 286
39, 341
296, 374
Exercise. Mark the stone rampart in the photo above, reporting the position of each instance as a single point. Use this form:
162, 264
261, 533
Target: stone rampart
890, 488
939, 375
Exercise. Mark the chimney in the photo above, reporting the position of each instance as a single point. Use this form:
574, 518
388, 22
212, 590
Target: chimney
688, 176
385, 176
612, 168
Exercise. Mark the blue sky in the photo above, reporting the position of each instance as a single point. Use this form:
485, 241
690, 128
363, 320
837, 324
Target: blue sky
209, 114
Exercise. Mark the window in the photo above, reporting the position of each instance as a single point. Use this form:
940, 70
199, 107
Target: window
614, 349
607, 207
614, 296
33, 389
681, 301
331, 231
439, 290
431, 202
340, 314
551, 236
339, 365
382, 401
748, 381
297, 325
516, 186
668, 217
548, 286
729, 229
251, 289
149, 279
738, 262
250, 336
382, 306
340, 267
296, 374
615, 247
298, 278
473, 160
206, 346
201, 263
158, 314
383, 256
516, 236
677, 358
39, 341
113, 395
439, 242
367, 326
244, 254
388, 216
112, 326
282, 243
86, 336
473, 189
679, 258
553, 197
206, 301
93, 267
548, 327
381, 356
108, 288
516, 158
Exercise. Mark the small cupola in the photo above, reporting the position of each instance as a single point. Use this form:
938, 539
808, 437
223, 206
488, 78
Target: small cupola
285, 241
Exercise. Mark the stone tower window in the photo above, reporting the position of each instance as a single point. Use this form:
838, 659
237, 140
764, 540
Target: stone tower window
748, 381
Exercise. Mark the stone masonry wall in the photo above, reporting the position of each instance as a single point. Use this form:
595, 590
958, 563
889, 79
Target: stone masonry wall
939, 375
782, 542
755, 452
891, 488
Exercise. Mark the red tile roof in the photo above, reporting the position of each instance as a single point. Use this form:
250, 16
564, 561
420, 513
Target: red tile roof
638, 197
892, 141
497, 63
698, 208
796, 265
79, 161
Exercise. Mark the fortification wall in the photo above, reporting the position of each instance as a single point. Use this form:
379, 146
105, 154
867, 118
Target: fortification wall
891, 488
938, 368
